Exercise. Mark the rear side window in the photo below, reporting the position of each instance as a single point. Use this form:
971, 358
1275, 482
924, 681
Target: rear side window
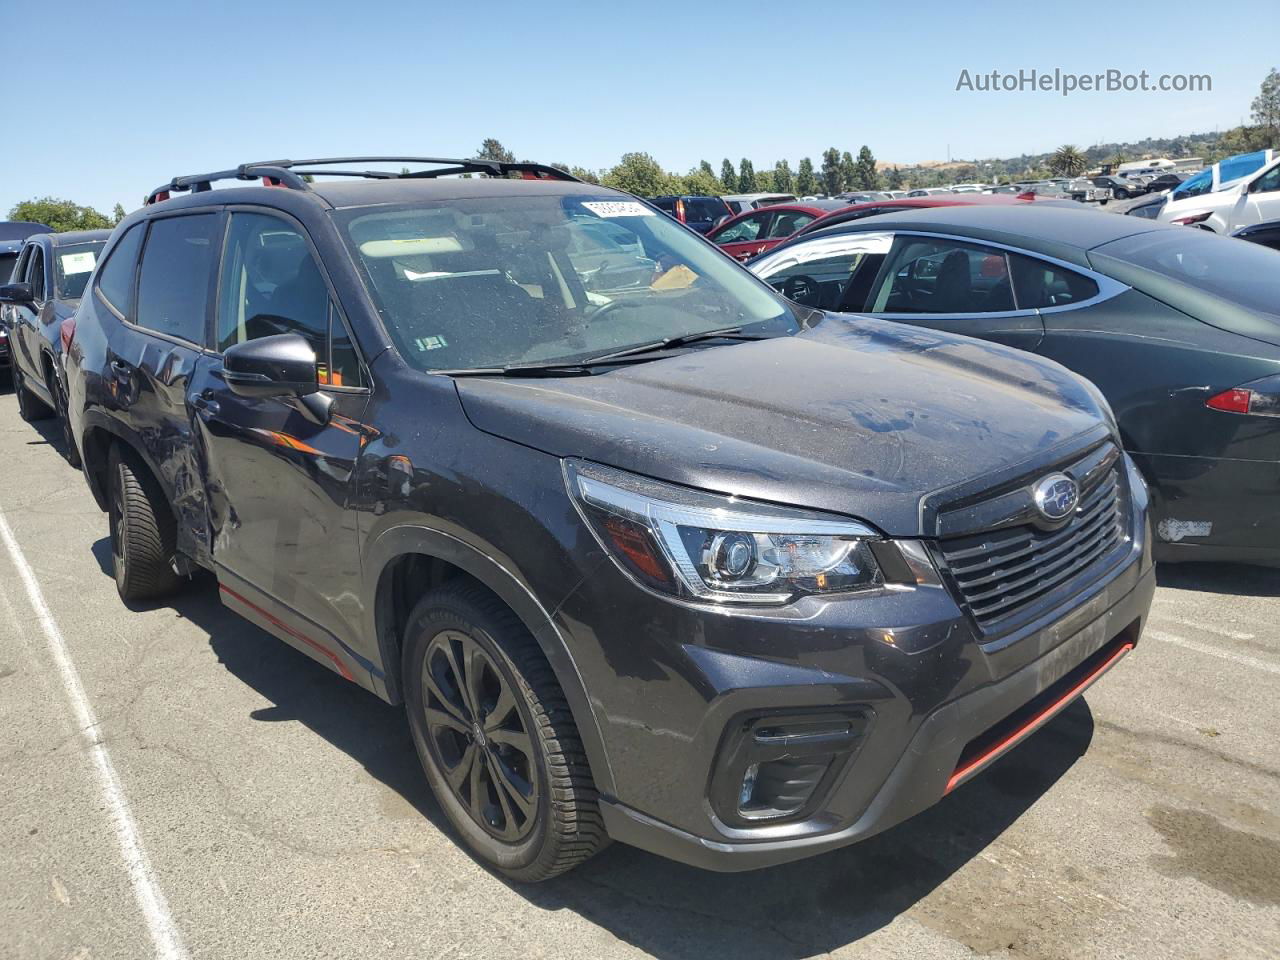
115, 279
173, 285
1039, 284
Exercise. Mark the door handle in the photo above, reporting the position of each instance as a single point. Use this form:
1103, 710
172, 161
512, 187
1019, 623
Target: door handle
204, 404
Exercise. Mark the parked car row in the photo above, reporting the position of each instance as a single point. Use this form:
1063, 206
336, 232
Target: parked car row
550, 469
37, 308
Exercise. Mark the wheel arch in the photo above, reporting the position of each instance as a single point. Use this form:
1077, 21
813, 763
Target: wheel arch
96, 438
406, 560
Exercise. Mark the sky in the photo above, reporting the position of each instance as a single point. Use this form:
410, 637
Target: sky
140, 91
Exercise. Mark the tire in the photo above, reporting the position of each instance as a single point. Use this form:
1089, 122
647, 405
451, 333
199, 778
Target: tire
522, 735
143, 534
72, 452
30, 407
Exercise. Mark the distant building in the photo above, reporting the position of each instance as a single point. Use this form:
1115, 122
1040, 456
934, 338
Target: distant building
1188, 163
1135, 166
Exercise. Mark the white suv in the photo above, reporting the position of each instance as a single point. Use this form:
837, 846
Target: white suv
1250, 200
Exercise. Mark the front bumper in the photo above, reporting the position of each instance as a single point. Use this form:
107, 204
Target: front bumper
952, 744
916, 696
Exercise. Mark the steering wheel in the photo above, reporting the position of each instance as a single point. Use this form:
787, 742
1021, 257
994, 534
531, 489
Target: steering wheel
802, 289
605, 310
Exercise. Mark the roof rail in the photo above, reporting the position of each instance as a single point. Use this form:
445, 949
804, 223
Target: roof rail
292, 173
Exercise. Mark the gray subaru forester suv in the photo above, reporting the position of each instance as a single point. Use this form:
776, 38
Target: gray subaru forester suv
647, 551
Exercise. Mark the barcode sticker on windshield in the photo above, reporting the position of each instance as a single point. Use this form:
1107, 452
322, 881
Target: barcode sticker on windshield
618, 208
73, 263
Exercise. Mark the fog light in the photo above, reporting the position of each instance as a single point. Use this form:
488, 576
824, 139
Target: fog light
748, 786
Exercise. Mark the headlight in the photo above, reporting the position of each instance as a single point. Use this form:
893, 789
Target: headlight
703, 546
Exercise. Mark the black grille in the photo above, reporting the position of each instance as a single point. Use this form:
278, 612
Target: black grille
1003, 572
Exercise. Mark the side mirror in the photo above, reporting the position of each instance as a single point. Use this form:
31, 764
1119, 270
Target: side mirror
283, 365
16, 293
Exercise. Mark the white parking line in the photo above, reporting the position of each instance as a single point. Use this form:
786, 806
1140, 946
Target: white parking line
151, 899
1212, 651
1210, 628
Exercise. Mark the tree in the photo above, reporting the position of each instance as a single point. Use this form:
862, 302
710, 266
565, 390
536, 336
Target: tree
746, 177
1266, 108
848, 172
1068, 161
893, 179
782, 180
61, 215
700, 181
117, 214
494, 150
706, 168
865, 169
728, 177
582, 173
831, 171
806, 182
640, 174
764, 182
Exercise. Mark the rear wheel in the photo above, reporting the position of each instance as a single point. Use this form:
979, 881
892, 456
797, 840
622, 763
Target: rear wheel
30, 407
495, 736
143, 535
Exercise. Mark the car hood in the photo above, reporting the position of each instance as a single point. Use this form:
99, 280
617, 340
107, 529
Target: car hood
855, 416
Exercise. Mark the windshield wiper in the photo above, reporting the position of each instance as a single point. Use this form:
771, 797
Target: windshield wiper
680, 340
583, 368
522, 370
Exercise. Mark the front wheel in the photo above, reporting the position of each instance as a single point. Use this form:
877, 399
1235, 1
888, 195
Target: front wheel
496, 738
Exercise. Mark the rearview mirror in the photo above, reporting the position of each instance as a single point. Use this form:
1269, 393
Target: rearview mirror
16, 293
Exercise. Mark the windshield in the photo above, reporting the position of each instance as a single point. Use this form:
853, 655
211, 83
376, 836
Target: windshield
493, 281
74, 266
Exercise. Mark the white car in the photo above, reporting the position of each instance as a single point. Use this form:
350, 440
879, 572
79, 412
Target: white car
1251, 199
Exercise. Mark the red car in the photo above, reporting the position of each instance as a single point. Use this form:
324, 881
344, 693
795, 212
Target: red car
755, 231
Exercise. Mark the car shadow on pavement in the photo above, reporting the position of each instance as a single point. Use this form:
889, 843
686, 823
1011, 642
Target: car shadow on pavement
665, 908
1236, 579
301, 690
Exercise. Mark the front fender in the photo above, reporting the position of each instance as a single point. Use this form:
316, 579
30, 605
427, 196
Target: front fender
499, 573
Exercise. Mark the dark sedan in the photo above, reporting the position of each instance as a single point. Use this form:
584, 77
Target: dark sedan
1180, 329
42, 295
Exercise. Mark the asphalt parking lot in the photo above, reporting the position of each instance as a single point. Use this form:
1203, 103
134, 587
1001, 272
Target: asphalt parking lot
281, 810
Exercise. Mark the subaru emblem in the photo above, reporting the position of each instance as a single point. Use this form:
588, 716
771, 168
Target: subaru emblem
1056, 496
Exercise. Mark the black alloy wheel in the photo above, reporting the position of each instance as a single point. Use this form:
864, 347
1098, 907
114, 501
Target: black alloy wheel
478, 736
